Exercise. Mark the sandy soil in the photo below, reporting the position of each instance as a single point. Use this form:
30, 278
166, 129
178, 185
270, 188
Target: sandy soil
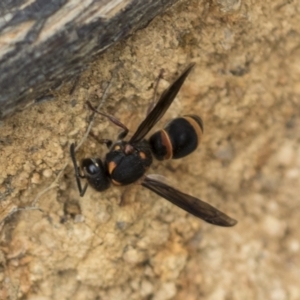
246, 87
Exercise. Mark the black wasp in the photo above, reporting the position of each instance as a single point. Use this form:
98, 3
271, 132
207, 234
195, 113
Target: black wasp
127, 161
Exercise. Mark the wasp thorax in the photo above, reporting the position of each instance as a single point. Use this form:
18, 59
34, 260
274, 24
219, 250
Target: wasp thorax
128, 164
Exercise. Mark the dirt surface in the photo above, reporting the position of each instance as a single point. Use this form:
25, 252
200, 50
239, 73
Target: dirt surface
246, 87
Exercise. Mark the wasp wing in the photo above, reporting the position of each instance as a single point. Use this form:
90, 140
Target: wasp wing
161, 106
192, 205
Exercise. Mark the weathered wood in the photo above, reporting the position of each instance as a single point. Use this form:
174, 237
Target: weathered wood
43, 43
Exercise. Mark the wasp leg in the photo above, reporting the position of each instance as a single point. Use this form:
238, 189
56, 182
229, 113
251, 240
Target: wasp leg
78, 175
107, 142
128, 195
114, 120
153, 102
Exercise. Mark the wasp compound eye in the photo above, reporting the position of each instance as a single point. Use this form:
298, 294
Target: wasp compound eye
96, 173
92, 166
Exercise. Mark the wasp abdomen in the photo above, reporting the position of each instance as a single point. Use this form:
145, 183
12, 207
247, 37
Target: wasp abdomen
178, 139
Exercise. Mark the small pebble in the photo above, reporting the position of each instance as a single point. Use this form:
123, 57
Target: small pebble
36, 178
47, 173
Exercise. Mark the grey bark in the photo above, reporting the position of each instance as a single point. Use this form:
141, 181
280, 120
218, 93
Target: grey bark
43, 43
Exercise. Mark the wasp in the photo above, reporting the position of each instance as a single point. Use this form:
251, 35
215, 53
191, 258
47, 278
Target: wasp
126, 162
